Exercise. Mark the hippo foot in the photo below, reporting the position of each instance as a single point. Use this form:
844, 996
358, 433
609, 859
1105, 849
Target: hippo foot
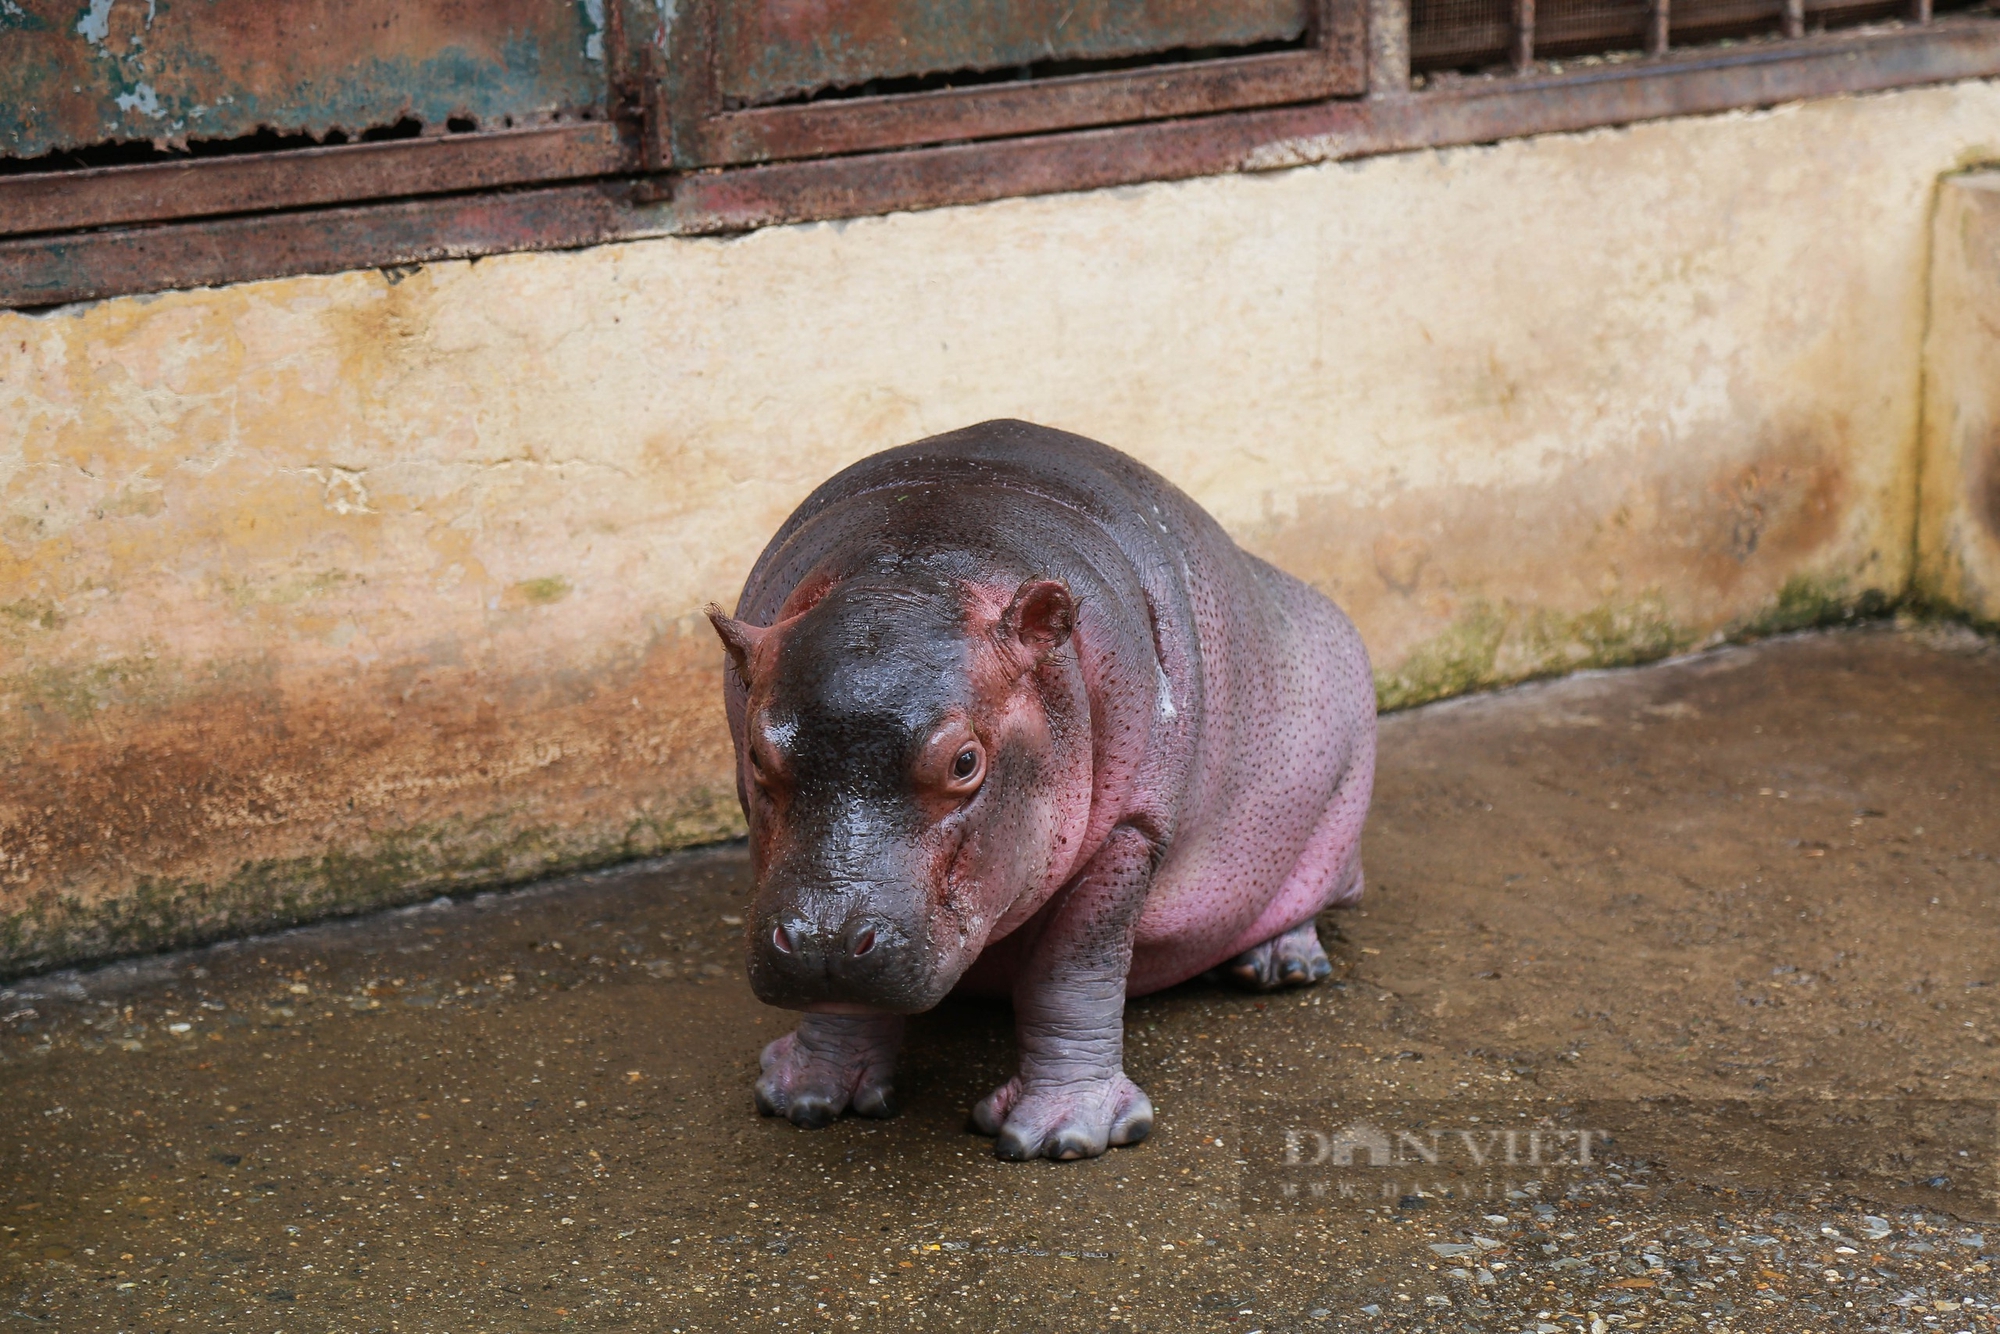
1064, 1121
1293, 959
831, 1064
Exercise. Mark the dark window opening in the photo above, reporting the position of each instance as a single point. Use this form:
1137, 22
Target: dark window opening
139, 152
144, 152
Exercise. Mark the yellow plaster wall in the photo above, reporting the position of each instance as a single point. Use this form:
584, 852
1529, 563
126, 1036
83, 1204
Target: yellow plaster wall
331, 591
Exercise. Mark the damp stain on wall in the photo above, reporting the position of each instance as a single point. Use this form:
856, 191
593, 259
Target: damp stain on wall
332, 592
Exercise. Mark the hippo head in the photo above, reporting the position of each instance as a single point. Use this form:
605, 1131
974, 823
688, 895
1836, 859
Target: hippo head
912, 767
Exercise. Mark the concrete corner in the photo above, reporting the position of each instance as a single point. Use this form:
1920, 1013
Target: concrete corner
1958, 525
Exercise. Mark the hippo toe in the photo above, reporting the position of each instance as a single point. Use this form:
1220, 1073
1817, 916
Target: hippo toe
1065, 1121
831, 1064
1294, 959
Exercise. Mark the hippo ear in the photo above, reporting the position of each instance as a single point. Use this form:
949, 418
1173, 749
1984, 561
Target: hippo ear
740, 639
1042, 616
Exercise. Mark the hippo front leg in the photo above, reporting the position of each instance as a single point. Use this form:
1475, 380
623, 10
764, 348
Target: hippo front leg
829, 1064
1071, 1098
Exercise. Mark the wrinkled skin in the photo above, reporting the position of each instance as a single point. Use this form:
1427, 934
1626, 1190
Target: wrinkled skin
1013, 716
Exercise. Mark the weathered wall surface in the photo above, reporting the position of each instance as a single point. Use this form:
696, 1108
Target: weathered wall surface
330, 591
1959, 527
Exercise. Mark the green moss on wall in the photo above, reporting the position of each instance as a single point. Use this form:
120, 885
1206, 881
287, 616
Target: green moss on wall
1499, 645
1490, 645
1810, 600
1494, 645
37, 612
1612, 635
1461, 659
539, 592
78, 692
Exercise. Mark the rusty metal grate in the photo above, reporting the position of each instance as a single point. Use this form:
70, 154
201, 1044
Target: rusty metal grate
1478, 34
77, 78
337, 134
776, 80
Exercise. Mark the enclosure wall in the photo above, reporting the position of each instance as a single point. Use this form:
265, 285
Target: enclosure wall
336, 591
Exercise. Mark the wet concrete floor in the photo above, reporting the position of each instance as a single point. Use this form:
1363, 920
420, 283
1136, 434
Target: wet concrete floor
1672, 1006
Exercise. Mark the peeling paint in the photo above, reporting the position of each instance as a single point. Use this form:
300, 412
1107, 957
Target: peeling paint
95, 25
141, 99
229, 68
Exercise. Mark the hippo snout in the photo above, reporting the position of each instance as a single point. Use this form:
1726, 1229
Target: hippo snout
861, 958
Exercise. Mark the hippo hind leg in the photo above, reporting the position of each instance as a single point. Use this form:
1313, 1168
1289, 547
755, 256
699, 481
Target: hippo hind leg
1292, 958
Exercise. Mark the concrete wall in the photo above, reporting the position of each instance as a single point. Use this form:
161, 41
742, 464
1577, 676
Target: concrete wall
1959, 527
330, 591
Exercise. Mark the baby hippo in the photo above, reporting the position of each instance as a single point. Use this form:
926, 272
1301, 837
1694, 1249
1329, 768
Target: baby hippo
1014, 717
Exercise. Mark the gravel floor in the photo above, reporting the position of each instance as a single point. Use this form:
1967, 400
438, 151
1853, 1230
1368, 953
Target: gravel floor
1730, 919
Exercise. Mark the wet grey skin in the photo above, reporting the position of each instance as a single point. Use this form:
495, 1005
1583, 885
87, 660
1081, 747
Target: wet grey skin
1014, 717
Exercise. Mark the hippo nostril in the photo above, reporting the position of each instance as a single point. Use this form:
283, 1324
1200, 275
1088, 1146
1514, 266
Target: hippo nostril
865, 942
782, 939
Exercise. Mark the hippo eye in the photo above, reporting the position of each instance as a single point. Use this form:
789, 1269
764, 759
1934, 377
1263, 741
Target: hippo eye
959, 770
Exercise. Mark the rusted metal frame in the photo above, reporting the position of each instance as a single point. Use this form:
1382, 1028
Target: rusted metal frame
1388, 48
767, 134
110, 262
690, 92
1482, 111
1659, 26
260, 182
226, 69
704, 133
1522, 57
776, 51
1561, 32
116, 261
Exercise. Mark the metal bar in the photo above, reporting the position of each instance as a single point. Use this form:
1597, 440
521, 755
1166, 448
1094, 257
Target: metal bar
689, 91
257, 182
772, 51
1523, 57
1795, 18
1483, 111
1388, 48
1920, 11
1659, 26
860, 124
46, 271
618, 88
1336, 65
